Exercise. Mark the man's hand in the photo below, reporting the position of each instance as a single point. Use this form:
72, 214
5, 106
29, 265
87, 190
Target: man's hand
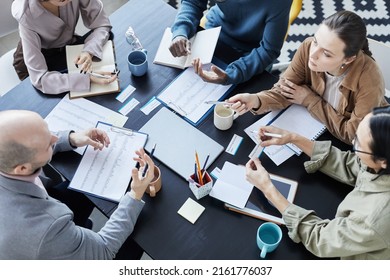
139, 183
95, 137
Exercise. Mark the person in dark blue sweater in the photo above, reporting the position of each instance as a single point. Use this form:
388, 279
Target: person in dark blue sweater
255, 28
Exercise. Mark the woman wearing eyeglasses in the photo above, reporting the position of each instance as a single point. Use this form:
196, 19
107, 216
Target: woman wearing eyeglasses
361, 227
45, 28
332, 74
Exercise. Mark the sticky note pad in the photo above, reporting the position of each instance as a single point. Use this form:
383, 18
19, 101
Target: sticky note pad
191, 210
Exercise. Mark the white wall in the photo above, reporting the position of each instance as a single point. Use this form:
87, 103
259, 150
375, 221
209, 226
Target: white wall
7, 23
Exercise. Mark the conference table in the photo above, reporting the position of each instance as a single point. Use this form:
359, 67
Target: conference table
160, 230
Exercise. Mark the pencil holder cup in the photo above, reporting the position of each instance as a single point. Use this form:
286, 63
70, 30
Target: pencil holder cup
201, 191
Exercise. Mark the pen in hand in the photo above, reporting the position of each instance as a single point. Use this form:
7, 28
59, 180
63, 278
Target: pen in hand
103, 76
151, 156
275, 135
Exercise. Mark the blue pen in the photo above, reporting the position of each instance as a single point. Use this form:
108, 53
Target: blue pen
204, 166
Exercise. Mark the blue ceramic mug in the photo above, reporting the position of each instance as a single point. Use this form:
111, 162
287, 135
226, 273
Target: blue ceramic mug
268, 237
137, 61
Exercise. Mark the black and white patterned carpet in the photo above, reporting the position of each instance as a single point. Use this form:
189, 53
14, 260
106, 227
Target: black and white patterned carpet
375, 13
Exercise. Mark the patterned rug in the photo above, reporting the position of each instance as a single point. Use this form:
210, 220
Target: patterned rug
375, 13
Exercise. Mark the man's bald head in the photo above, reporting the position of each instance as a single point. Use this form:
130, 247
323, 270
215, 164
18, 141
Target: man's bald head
20, 133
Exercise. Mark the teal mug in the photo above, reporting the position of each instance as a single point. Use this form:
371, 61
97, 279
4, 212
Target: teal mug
137, 61
268, 238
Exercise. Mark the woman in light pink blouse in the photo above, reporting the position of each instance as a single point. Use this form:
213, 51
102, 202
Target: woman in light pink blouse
45, 28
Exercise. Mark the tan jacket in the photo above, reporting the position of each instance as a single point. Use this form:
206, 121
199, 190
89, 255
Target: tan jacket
361, 227
361, 90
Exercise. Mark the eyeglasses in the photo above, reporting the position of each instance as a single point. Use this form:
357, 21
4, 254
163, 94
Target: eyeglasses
355, 141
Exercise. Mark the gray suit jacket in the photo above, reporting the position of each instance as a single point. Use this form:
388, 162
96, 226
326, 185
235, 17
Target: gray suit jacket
36, 226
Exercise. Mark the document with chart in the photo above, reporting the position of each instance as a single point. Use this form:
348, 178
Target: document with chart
107, 173
187, 95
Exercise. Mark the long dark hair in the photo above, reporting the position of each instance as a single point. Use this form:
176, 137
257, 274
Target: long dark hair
351, 29
380, 131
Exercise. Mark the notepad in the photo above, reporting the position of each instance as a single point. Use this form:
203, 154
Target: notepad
231, 186
106, 173
203, 45
106, 64
191, 210
297, 119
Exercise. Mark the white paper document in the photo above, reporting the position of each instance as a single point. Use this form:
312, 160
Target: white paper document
203, 45
81, 114
107, 173
231, 186
188, 93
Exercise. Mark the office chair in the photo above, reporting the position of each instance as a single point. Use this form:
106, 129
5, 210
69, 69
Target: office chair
381, 54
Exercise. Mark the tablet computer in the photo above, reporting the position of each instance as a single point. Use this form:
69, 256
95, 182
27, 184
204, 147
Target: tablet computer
258, 205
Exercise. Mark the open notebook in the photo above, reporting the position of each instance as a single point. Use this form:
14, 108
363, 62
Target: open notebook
106, 64
203, 45
297, 119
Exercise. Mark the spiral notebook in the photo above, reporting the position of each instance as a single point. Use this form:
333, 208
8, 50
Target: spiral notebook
297, 119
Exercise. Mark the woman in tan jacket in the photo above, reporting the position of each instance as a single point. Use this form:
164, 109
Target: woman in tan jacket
332, 74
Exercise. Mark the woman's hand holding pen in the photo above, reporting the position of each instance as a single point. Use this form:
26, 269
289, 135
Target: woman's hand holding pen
270, 135
84, 62
140, 183
95, 137
215, 75
244, 102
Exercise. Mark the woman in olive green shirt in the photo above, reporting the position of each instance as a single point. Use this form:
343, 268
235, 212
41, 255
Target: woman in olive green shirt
361, 227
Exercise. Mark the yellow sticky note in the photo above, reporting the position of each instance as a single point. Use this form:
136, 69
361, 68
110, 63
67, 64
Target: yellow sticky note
191, 210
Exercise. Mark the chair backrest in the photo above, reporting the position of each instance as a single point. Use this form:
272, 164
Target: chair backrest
295, 9
7, 23
381, 54
9, 78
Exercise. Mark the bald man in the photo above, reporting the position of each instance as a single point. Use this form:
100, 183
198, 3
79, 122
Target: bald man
33, 224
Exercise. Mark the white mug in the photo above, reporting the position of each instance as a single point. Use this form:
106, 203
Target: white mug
224, 117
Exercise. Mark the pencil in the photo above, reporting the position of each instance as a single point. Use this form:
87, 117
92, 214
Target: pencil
199, 171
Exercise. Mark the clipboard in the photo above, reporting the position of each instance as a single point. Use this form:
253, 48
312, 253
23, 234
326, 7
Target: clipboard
187, 93
106, 174
258, 205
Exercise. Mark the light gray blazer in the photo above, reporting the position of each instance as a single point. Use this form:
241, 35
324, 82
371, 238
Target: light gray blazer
36, 226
